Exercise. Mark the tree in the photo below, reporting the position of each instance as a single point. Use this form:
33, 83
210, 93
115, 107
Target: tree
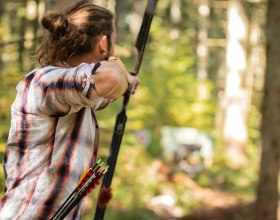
267, 206
235, 97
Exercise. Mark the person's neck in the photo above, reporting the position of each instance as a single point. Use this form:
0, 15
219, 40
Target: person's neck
84, 58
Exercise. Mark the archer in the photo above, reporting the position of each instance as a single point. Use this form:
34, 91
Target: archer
53, 137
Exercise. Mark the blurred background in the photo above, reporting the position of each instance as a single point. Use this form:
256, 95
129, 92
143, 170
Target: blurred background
191, 147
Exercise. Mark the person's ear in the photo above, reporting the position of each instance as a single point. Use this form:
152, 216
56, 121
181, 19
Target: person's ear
103, 44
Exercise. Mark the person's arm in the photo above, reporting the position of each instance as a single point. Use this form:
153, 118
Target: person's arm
110, 80
61, 90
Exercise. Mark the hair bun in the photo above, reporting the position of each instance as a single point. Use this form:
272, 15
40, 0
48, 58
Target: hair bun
55, 23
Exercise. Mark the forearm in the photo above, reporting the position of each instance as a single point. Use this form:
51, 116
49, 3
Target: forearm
110, 80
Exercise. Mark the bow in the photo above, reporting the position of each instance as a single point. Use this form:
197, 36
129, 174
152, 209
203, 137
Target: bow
105, 192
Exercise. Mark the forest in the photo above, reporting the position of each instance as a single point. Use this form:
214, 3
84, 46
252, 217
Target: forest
202, 138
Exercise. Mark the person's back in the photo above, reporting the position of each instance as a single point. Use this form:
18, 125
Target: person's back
54, 134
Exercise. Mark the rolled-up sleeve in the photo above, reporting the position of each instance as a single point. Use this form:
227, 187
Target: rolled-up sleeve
64, 90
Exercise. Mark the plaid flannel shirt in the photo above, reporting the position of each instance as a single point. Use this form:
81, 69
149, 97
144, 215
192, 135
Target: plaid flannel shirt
53, 139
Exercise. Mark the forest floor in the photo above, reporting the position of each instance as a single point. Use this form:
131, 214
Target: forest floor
218, 205
213, 204
234, 212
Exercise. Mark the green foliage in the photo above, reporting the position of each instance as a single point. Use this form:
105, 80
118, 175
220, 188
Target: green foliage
170, 88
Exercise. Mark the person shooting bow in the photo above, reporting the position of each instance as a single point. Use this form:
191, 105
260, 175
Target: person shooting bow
53, 137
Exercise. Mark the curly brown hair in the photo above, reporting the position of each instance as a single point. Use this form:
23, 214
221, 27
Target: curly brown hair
73, 32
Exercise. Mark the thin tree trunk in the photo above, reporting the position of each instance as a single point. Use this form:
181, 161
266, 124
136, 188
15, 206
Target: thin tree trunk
136, 17
22, 37
202, 49
2, 10
175, 11
268, 206
235, 98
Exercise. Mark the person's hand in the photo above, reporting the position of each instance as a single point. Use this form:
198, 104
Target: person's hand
133, 81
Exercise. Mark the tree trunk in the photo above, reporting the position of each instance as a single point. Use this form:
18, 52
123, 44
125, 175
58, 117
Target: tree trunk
235, 98
2, 10
136, 18
268, 189
21, 49
202, 49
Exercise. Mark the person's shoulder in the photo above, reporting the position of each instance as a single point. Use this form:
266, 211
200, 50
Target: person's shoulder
86, 67
49, 70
